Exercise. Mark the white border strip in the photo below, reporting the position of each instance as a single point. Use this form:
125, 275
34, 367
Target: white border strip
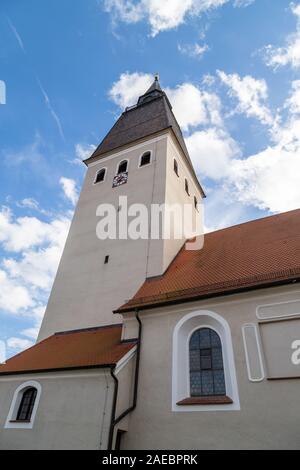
252, 379
270, 317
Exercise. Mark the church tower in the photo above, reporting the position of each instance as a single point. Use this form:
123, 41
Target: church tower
144, 159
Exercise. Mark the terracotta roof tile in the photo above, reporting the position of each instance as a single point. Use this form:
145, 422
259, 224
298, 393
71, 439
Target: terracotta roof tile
89, 348
250, 255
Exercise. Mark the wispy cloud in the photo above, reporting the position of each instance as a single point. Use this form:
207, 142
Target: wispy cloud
16, 34
43, 91
82, 151
69, 188
51, 110
31, 204
193, 50
289, 54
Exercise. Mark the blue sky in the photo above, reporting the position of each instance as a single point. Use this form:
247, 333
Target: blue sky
231, 69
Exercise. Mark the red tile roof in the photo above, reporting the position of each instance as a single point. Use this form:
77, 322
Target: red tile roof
90, 348
250, 255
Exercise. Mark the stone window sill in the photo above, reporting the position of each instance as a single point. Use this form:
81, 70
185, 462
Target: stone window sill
211, 400
21, 421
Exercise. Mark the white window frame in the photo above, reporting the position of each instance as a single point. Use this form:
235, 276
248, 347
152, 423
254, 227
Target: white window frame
141, 156
180, 368
121, 161
95, 179
11, 422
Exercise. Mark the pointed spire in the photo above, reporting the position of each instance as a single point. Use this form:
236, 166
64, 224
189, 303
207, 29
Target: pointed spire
153, 92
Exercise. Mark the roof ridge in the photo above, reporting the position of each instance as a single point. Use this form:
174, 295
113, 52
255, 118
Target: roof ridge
260, 219
82, 330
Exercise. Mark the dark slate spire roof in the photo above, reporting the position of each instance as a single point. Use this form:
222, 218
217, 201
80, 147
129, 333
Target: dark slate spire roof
152, 113
154, 91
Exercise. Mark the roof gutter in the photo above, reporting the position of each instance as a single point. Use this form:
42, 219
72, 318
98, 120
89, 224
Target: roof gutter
114, 421
181, 300
58, 369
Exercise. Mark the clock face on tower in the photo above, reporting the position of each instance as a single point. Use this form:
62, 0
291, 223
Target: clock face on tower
120, 179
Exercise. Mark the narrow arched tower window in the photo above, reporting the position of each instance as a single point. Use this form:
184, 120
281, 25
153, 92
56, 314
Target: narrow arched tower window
123, 166
186, 186
145, 159
176, 167
26, 405
206, 364
100, 176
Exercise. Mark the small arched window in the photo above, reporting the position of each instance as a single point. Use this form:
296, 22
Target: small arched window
195, 202
206, 364
100, 176
186, 187
145, 159
26, 405
176, 167
123, 166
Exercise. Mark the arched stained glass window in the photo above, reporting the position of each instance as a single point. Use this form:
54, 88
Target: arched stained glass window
206, 364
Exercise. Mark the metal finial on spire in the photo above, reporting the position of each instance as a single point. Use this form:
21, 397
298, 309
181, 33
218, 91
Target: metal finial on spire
156, 77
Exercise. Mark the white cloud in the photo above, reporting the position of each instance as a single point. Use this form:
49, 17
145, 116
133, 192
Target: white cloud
83, 152
126, 91
38, 313
36, 268
251, 94
69, 188
163, 15
212, 151
18, 234
32, 204
18, 344
29, 203
26, 277
31, 332
13, 296
268, 180
193, 50
191, 105
290, 53
293, 102
243, 3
